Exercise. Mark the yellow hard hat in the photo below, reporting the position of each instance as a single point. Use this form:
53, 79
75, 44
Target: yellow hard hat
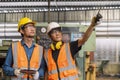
24, 21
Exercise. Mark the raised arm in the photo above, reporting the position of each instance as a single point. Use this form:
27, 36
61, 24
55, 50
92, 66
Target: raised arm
87, 34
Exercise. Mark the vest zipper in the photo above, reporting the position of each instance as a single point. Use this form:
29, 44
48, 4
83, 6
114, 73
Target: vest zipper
28, 68
55, 60
58, 70
28, 63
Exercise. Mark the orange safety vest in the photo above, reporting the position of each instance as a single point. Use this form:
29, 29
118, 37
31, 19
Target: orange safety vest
66, 64
20, 60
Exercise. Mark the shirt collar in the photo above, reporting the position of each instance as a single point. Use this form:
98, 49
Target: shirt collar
23, 43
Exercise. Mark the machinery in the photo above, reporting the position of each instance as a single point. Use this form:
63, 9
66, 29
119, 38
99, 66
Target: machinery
3, 50
90, 68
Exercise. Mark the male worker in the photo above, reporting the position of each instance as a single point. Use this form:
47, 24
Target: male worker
24, 60
60, 56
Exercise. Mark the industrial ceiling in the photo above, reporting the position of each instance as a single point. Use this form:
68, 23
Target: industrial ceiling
56, 5
16, 6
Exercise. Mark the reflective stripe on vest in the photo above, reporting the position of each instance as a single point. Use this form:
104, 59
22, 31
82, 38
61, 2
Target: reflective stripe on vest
62, 69
15, 56
69, 67
20, 79
71, 78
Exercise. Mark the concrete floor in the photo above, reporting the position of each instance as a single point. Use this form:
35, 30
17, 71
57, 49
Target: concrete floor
107, 78
97, 78
100, 78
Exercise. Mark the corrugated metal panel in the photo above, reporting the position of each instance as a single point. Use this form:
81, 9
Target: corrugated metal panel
8, 31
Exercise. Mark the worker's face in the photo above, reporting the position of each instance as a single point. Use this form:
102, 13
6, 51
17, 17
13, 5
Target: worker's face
56, 35
29, 30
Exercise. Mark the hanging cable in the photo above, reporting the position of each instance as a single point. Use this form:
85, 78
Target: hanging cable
57, 9
48, 11
56, 4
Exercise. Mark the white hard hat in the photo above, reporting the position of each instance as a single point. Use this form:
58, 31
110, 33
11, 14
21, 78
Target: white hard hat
52, 25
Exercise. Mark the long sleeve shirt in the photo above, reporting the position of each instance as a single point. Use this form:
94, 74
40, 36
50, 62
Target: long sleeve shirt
7, 66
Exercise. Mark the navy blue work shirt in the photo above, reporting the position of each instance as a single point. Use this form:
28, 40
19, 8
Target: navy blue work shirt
7, 66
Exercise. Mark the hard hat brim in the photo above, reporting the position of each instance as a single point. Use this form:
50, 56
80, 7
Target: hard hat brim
54, 29
28, 23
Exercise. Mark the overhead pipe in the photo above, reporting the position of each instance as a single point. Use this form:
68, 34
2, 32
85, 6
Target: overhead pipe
59, 3
63, 5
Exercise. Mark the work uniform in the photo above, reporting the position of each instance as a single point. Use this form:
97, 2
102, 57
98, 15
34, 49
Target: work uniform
19, 56
61, 63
